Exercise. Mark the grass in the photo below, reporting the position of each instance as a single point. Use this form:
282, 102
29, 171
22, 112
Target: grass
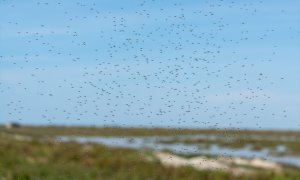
51, 160
293, 147
228, 138
118, 131
40, 159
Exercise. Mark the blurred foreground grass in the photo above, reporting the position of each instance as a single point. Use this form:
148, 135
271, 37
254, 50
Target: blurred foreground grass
50, 160
58, 161
43, 158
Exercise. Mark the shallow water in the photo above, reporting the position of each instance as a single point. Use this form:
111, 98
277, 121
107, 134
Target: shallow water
151, 143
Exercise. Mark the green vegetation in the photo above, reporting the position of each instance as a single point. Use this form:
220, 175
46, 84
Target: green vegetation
225, 138
39, 157
117, 131
51, 160
293, 147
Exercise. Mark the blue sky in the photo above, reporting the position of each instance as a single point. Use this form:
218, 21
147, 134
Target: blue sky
232, 64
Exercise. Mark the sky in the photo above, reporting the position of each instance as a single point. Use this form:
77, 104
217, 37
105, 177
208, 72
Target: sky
199, 64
